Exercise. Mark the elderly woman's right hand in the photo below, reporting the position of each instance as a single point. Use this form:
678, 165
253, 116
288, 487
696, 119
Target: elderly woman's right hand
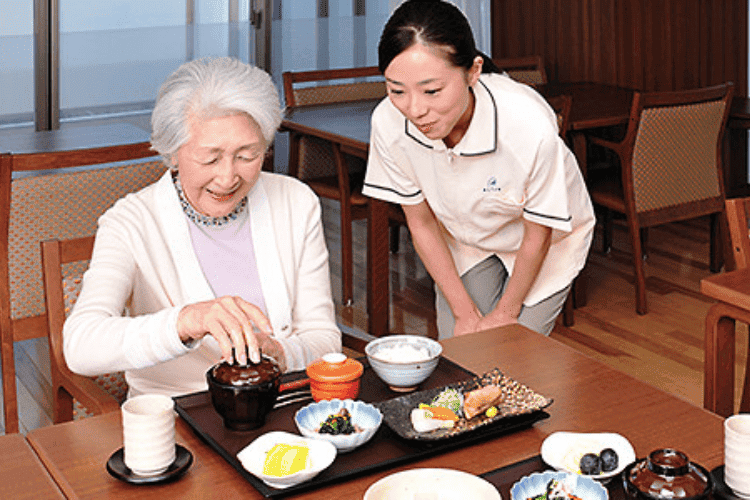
230, 321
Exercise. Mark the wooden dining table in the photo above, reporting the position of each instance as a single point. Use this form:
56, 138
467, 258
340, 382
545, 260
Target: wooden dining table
22, 474
587, 397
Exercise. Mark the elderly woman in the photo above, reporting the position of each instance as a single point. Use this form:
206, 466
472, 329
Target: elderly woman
213, 258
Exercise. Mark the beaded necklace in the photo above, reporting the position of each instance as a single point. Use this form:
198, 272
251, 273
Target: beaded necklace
199, 218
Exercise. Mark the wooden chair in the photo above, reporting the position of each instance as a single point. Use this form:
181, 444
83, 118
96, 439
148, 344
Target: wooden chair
73, 396
671, 168
325, 167
721, 318
736, 210
39, 201
525, 69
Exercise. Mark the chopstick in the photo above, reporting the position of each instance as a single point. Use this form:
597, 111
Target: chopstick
292, 397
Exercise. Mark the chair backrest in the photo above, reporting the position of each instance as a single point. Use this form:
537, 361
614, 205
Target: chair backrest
311, 158
329, 87
42, 197
739, 234
673, 151
63, 265
561, 105
525, 69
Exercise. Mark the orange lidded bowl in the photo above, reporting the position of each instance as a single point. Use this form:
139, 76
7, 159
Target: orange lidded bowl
335, 376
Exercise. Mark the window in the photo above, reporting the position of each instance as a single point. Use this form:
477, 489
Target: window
113, 56
16, 63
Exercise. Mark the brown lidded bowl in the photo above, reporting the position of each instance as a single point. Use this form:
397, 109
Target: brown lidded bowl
244, 394
667, 474
335, 376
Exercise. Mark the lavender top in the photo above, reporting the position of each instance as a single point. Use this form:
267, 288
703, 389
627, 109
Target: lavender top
227, 257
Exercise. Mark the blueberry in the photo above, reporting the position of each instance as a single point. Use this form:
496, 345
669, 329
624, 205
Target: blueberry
590, 464
609, 459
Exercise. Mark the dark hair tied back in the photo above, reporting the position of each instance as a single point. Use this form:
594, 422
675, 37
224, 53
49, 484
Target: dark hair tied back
433, 22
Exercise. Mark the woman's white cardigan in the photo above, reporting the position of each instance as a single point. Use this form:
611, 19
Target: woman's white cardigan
144, 267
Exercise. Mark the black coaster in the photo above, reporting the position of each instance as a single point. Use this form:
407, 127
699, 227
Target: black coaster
721, 490
117, 468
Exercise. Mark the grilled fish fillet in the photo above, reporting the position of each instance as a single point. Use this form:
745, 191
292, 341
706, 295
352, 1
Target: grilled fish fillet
478, 401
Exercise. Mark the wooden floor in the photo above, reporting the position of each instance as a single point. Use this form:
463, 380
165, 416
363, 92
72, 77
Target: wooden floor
664, 347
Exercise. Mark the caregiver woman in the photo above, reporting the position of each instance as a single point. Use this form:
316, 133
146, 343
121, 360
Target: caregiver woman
214, 256
494, 200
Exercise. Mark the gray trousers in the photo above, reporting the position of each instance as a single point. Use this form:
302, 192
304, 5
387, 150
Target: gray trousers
485, 284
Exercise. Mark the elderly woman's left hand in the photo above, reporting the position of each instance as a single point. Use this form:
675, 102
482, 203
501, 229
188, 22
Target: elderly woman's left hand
230, 321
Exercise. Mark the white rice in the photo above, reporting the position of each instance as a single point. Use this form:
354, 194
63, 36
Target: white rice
403, 353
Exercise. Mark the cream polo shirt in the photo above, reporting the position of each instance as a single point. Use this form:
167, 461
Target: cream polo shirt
510, 165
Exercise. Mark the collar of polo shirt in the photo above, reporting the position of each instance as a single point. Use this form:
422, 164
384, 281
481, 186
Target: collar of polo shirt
481, 136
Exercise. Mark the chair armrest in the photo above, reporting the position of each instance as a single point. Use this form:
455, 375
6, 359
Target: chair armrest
88, 393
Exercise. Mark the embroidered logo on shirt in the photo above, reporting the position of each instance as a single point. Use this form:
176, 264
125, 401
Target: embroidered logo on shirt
491, 186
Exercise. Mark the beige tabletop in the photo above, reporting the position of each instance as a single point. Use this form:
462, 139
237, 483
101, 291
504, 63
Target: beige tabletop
588, 397
22, 474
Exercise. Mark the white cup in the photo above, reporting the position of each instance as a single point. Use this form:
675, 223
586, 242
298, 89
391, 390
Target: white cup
736, 452
148, 434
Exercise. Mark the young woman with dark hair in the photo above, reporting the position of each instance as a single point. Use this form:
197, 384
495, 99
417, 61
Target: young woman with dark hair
494, 200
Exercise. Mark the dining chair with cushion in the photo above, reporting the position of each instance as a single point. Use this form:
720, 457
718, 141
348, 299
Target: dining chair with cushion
73, 396
671, 169
524, 69
326, 167
41, 197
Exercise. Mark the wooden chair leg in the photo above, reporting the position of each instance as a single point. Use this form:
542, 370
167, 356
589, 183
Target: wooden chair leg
607, 222
569, 310
395, 238
10, 401
62, 406
641, 305
717, 248
347, 260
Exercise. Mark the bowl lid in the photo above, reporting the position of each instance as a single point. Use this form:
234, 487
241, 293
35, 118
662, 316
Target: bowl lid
335, 367
251, 374
668, 473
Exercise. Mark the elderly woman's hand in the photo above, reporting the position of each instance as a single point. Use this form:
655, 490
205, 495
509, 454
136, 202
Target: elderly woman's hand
230, 321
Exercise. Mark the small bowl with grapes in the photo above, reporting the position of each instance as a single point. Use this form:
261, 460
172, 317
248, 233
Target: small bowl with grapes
345, 423
600, 456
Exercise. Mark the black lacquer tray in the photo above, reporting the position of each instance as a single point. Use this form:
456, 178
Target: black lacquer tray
385, 450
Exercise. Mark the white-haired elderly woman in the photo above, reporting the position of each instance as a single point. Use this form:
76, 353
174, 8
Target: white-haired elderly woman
214, 256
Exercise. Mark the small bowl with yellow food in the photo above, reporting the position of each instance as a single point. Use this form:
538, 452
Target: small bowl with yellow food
281, 459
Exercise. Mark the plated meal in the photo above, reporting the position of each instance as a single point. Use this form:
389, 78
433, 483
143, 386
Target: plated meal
458, 408
599, 455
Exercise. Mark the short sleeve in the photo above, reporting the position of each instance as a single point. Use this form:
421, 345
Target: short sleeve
389, 174
547, 200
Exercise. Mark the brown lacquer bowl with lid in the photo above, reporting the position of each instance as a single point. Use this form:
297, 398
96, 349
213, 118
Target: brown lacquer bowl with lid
244, 394
667, 474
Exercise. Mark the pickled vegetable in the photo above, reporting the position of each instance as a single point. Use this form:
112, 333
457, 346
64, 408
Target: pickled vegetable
285, 459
